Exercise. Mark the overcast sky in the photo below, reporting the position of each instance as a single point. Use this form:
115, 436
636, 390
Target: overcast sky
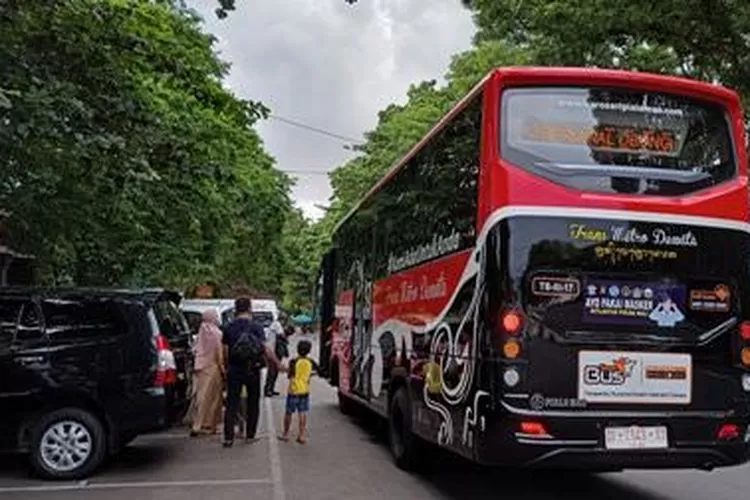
332, 66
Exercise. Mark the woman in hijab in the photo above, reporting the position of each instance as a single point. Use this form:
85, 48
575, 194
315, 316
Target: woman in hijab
209, 376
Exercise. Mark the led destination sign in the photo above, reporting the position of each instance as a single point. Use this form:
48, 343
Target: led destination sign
609, 138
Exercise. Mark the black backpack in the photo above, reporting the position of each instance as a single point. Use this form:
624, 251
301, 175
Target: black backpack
247, 351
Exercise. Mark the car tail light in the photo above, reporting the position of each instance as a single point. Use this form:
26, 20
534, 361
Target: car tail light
727, 432
534, 429
511, 322
166, 368
745, 331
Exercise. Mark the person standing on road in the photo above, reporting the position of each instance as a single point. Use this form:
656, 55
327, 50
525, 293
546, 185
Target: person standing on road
246, 354
298, 395
209, 375
281, 349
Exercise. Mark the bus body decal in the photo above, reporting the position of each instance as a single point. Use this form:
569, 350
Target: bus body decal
400, 320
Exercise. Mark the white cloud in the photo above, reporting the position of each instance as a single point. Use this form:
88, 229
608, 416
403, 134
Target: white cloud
333, 66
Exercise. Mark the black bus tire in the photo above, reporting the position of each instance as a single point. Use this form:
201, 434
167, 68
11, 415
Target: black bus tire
347, 406
404, 444
90, 431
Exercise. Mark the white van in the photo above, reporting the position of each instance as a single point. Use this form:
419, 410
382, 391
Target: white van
193, 310
264, 311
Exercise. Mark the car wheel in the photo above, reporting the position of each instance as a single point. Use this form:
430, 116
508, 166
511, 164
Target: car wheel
68, 443
403, 442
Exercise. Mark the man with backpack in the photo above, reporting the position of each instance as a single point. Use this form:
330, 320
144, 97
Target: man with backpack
246, 353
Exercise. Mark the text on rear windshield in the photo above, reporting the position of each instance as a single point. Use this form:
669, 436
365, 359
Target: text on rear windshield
616, 140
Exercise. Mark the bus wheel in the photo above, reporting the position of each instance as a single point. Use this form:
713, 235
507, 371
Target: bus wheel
346, 404
403, 442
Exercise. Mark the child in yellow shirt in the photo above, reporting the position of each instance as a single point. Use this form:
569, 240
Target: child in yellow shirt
301, 369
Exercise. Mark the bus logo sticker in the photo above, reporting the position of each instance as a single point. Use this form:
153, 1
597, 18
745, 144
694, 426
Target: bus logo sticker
716, 300
538, 402
615, 372
634, 377
666, 372
555, 287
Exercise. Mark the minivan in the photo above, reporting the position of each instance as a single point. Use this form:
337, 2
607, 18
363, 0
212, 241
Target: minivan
84, 371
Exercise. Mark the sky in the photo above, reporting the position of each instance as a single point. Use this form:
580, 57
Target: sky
332, 66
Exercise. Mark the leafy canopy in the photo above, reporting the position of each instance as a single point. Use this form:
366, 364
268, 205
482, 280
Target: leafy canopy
124, 161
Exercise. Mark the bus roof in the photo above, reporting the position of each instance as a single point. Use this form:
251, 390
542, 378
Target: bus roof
558, 74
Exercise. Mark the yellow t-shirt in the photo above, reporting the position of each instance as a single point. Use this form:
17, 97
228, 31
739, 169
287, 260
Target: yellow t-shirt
300, 371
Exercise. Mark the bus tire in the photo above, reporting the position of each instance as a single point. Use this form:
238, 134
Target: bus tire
347, 406
403, 442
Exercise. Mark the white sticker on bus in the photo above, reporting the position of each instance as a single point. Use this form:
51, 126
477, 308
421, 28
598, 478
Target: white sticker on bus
634, 377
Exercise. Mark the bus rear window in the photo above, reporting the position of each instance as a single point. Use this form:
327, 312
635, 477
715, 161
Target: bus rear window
617, 141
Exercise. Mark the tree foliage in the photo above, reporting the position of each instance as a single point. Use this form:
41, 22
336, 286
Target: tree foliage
124, 161
303, 244
401, 126
704, 39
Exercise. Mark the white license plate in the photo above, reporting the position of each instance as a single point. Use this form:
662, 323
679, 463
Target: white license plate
635, 438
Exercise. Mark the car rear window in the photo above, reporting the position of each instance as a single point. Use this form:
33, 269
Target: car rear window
82, 318
616, 140
171, 321
194, 319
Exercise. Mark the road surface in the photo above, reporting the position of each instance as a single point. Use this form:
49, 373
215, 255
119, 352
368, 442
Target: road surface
345, 458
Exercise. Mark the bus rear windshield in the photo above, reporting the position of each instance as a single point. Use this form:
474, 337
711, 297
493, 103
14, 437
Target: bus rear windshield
617, 141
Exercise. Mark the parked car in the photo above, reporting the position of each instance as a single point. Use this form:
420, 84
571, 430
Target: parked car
193, 310
83, 372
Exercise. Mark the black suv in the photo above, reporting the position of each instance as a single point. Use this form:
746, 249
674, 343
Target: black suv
83, 372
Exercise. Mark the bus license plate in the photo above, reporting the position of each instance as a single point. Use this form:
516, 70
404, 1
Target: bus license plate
635, 438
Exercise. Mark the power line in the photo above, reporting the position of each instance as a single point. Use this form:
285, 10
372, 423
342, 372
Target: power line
317, 130
307, 172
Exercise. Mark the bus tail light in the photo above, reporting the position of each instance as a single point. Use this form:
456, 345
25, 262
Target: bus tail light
536, 429
511, 322
745, 356
728, 432
745, 331
511, 349
511, 377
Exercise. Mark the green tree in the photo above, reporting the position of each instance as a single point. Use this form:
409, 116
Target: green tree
400, 127
704, 39
303, 244
123, 160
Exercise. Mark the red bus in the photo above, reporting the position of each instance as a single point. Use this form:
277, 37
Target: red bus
555, 276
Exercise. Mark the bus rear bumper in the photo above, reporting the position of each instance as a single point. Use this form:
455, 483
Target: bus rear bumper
579, 444
606, 460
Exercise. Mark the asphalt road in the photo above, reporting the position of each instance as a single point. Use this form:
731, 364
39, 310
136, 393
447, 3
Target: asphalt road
344, 458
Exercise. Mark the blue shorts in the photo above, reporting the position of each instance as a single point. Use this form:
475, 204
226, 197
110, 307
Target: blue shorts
295, 404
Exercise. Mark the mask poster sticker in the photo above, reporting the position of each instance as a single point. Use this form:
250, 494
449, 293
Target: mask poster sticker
633, 303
